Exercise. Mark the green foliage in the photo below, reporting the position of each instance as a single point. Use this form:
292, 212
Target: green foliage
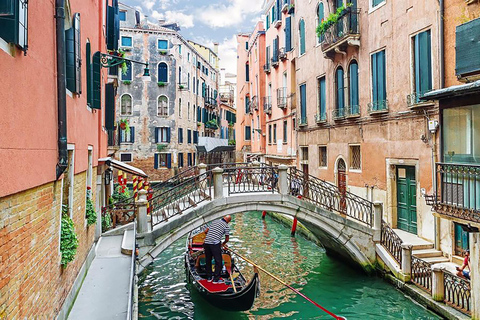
181, 87
231, 124
68, 238
125, 124
118, 196
232, 142
162, 52
106, 221
212, 124
90, 214
332, 19
161, 147
127, 82
161, 84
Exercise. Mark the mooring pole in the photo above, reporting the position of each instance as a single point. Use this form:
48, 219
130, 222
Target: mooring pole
264, 213
294, 227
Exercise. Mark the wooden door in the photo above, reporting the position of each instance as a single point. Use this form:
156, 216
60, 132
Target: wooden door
461, 240
342, 184
406, 199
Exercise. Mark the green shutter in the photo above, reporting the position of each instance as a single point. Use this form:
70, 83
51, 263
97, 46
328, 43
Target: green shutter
88, 60
14, 22
7, 8
467, 48
323, 108
423, 62
96, 83
78, 53
353, 86
109, 106
374, 81
288, 34
113, 26
303, 104
302, 37
340, 92
70, 59
382, 89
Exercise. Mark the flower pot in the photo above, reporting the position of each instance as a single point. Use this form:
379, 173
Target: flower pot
123, 125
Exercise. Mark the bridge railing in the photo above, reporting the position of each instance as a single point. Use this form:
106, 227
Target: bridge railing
328, 196
251, 179
422, 274
392, 242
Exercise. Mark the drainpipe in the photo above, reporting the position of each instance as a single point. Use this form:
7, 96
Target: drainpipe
442, 44
61, 89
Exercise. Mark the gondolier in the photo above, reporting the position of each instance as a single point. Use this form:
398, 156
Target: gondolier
213, 246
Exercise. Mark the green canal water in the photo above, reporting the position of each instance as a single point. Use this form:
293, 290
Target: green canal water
165, 294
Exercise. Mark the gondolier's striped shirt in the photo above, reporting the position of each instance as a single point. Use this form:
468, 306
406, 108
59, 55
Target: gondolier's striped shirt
215, 233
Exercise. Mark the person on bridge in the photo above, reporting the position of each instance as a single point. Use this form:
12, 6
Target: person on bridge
466, 264
213, 246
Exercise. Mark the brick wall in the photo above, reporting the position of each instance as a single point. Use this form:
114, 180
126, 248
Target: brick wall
32, 281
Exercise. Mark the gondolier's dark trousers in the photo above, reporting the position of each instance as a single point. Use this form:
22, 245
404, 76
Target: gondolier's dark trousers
214, 250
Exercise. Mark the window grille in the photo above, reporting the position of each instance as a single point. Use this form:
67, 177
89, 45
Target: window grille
322, 156
355, 158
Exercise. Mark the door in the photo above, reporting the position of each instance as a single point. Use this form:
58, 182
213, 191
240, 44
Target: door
342, 184
461, 240
305, 179
406, 199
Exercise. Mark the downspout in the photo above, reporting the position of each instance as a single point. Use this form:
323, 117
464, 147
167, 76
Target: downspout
61, 88
442, 44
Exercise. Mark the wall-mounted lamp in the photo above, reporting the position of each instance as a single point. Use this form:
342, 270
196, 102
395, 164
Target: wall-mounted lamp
108, 176
109, 60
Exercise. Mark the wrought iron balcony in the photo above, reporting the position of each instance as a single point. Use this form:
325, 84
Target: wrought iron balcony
212, 102
267, 105
458, 192
321, 117
275, 61
282, 97
282, 54
378, 107
353, 111
338, 114
345, 32
254, 103
113, 139
266, 68
414, 100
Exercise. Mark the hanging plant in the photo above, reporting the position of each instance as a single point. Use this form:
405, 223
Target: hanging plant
332, 19
106, 220
123, 124
68, 238
127, 82
161, 84
90, 213
161, 147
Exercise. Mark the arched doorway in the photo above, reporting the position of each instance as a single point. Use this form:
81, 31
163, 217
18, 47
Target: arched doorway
342, 183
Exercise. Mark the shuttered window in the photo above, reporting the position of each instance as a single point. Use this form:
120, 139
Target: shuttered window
162, 134
320, 16
189, 136
353, 87
379, 92
285, 131
195, 137
322, 95
96, 81
88, 71
73, 60
303, 104
14, 22
376, 2
248, 133
423, 63
340, 92
127, 136
162, 160
247, 72
113, 26
128, 74
189, 159
180, 135
109, 106
267, 21
288, 34
180, 160
162, 72
275, 50
302, 36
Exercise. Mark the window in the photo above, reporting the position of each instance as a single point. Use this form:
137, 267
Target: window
14, 22
162, 106
162, 72
423, 63
126, 42
267, 20
180, 135
179, 75
127, 76
285, 131
247, 72
162, 160
269, 134
189, 159
188, 81
162, 134
179, 107
288, 34
122, 15
376, 2
126, 157
304, 153
188, 110
248, 132
126, 105
180, 49
127, 136
322, 95
162, 45
275, 133
355, 158
246, 45
301, 30
193, 84
195, 137
189, 136
188, 56
73, 57
379, 91
303, 104
322, 156
320, 16
353, 88
180, 160
340, 92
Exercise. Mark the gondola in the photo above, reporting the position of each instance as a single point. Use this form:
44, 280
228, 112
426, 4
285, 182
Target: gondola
222, 295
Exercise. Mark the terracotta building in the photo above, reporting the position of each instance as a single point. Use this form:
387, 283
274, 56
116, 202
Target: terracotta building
54, 119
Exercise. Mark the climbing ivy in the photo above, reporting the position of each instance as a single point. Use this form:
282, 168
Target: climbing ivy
90, 214
68, 238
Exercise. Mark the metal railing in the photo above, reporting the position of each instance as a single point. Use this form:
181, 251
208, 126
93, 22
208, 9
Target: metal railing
457, 292
254, 103
267, 104
252, 179
338, 114
347, 25
328, 196
321, 117
282, 97
352, 110
113, 140
422, 274
458, 188
378, 106
266, 67
392, 242
415, 98
282, 54
121, 212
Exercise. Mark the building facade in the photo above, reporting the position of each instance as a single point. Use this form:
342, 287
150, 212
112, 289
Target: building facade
60, 111
168, 114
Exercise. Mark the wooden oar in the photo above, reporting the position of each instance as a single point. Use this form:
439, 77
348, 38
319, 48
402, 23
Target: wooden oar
288, 286
233, 283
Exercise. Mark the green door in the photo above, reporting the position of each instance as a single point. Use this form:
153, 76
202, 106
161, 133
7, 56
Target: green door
461, 240
406, 199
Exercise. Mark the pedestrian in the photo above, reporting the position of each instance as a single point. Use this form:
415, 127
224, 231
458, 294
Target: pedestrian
466, 264
213, 246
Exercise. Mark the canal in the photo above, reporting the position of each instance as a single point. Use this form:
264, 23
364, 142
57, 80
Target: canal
165, 294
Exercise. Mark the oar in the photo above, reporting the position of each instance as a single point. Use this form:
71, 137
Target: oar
231, 279
288, 286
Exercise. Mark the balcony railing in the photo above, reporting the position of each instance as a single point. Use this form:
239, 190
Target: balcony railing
458, 191
267, 105
321, 117
113, 138
353, 111
266, 68
282, 54
338, 114
380, 106
254, 103
211, 101
346, 31
413, 99
282, 97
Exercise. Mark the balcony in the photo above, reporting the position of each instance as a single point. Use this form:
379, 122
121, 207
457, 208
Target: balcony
212, 102
266, 68
352, 111
321, 117
345, 32
275, 61
267, 105
457, 196
414, 100
282, 54
254, 103
378, 107
282, 98
113, 139
338, 114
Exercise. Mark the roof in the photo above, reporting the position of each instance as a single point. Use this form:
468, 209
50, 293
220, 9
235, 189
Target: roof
123, 166
453, 91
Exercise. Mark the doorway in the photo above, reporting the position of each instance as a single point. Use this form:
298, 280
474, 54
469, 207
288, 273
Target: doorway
342, 183
461, 239
406, 199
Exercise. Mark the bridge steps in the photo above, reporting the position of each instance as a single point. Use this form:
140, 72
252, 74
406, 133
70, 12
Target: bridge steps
128, 242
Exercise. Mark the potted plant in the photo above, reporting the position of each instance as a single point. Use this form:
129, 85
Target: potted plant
231, 142
162, 52
199, 124
127, 82
123, 124
212, 124
181, 87
332, 19
291, 8
161, 146
161, 84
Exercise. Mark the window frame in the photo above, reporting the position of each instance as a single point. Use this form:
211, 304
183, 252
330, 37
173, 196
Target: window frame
167, 107
125, 46
161, 40
320, 166
350, 157
123, 76
131, 105
120, 13
158, 71
125, 153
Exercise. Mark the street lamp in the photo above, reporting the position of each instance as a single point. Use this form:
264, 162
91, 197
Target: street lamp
146, 73
109, 60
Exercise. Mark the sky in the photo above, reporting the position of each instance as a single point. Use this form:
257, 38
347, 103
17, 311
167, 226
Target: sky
206, 21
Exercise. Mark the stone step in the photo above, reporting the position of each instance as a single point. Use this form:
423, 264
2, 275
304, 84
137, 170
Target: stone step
423, 246
128, 242
427, 253
433, 260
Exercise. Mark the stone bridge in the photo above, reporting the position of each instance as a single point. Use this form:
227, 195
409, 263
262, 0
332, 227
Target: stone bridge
346, 224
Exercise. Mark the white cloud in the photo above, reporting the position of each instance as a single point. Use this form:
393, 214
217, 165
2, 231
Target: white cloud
149, 4
184, 20
227, 15
227, 51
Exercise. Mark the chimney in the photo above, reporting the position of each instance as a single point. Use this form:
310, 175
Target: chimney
137, 18
215, 47
161, 22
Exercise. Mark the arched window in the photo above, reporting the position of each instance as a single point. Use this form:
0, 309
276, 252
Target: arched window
179, 74
301, 30
320, 16
179, 107
353, 88
126, 105
340, 93
162, 72
162, 106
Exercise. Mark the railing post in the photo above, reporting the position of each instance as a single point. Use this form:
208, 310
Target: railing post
282, 179
202, 168
377, 220
217, 183
141, 204
438, 285
407, 261
474, 273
